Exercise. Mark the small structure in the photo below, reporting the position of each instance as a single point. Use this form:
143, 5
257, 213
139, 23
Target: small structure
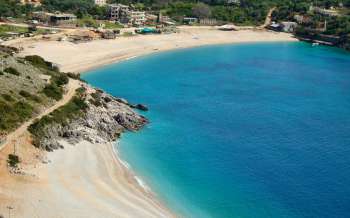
190, 20
275, 27
323, 11
62, 19
208, 21
289, 27
54, 18
100, 2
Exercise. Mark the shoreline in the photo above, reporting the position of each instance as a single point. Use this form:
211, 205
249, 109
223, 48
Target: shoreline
107, 180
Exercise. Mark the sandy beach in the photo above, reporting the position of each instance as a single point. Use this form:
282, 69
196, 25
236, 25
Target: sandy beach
82, 57
85, 180
88, 180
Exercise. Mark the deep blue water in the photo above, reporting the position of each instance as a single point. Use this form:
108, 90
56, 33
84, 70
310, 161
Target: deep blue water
251, 130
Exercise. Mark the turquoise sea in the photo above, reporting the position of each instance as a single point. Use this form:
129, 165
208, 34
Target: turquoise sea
248, 131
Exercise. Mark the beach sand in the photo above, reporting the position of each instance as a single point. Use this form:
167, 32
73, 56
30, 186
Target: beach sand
82, 57
84, 180
88, 180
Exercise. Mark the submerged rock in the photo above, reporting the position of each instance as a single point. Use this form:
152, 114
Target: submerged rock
141, 107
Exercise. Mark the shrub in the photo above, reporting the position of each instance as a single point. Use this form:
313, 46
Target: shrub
53, 91
12, 71
61, 80
74, 75
7, 97
36, 98
13, 160
1, 73
81, 90
23, 110
25, 94
37, 61
29, 96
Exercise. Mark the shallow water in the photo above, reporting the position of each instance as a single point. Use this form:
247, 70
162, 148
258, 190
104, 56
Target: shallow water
250, 130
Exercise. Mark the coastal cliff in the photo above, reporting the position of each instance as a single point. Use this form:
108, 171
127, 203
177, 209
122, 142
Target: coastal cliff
92, 115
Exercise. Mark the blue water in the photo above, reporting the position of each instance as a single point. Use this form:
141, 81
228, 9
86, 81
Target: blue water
251, 130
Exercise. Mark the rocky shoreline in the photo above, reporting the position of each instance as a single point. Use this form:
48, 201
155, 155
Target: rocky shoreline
105, 118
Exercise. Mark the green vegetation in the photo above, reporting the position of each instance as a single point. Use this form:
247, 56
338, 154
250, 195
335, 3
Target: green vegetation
79, 7
74, 75
5, 29
90, 21
29, 96
25, 94
12, 71
13, 160
96, 99
61, 79
39, 62
14, 113
7, 97
19, 98
53, 91
73, 109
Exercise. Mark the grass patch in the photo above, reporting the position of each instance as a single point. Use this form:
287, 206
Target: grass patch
4, 29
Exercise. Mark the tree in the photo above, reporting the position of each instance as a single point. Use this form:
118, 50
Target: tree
201, 10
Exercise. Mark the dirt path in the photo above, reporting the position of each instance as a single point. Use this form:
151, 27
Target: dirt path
13, 136
268, 18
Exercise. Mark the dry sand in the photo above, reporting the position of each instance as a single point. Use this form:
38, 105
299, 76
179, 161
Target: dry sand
87, 180
81, 57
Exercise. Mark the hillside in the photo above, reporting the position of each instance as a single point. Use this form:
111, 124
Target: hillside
27, 86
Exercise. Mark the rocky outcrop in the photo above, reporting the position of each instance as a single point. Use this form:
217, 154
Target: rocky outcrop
104, 120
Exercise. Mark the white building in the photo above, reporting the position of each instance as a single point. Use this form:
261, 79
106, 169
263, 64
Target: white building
100, 2
137, 18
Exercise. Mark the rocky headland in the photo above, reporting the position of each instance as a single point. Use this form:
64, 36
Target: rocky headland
101, 118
